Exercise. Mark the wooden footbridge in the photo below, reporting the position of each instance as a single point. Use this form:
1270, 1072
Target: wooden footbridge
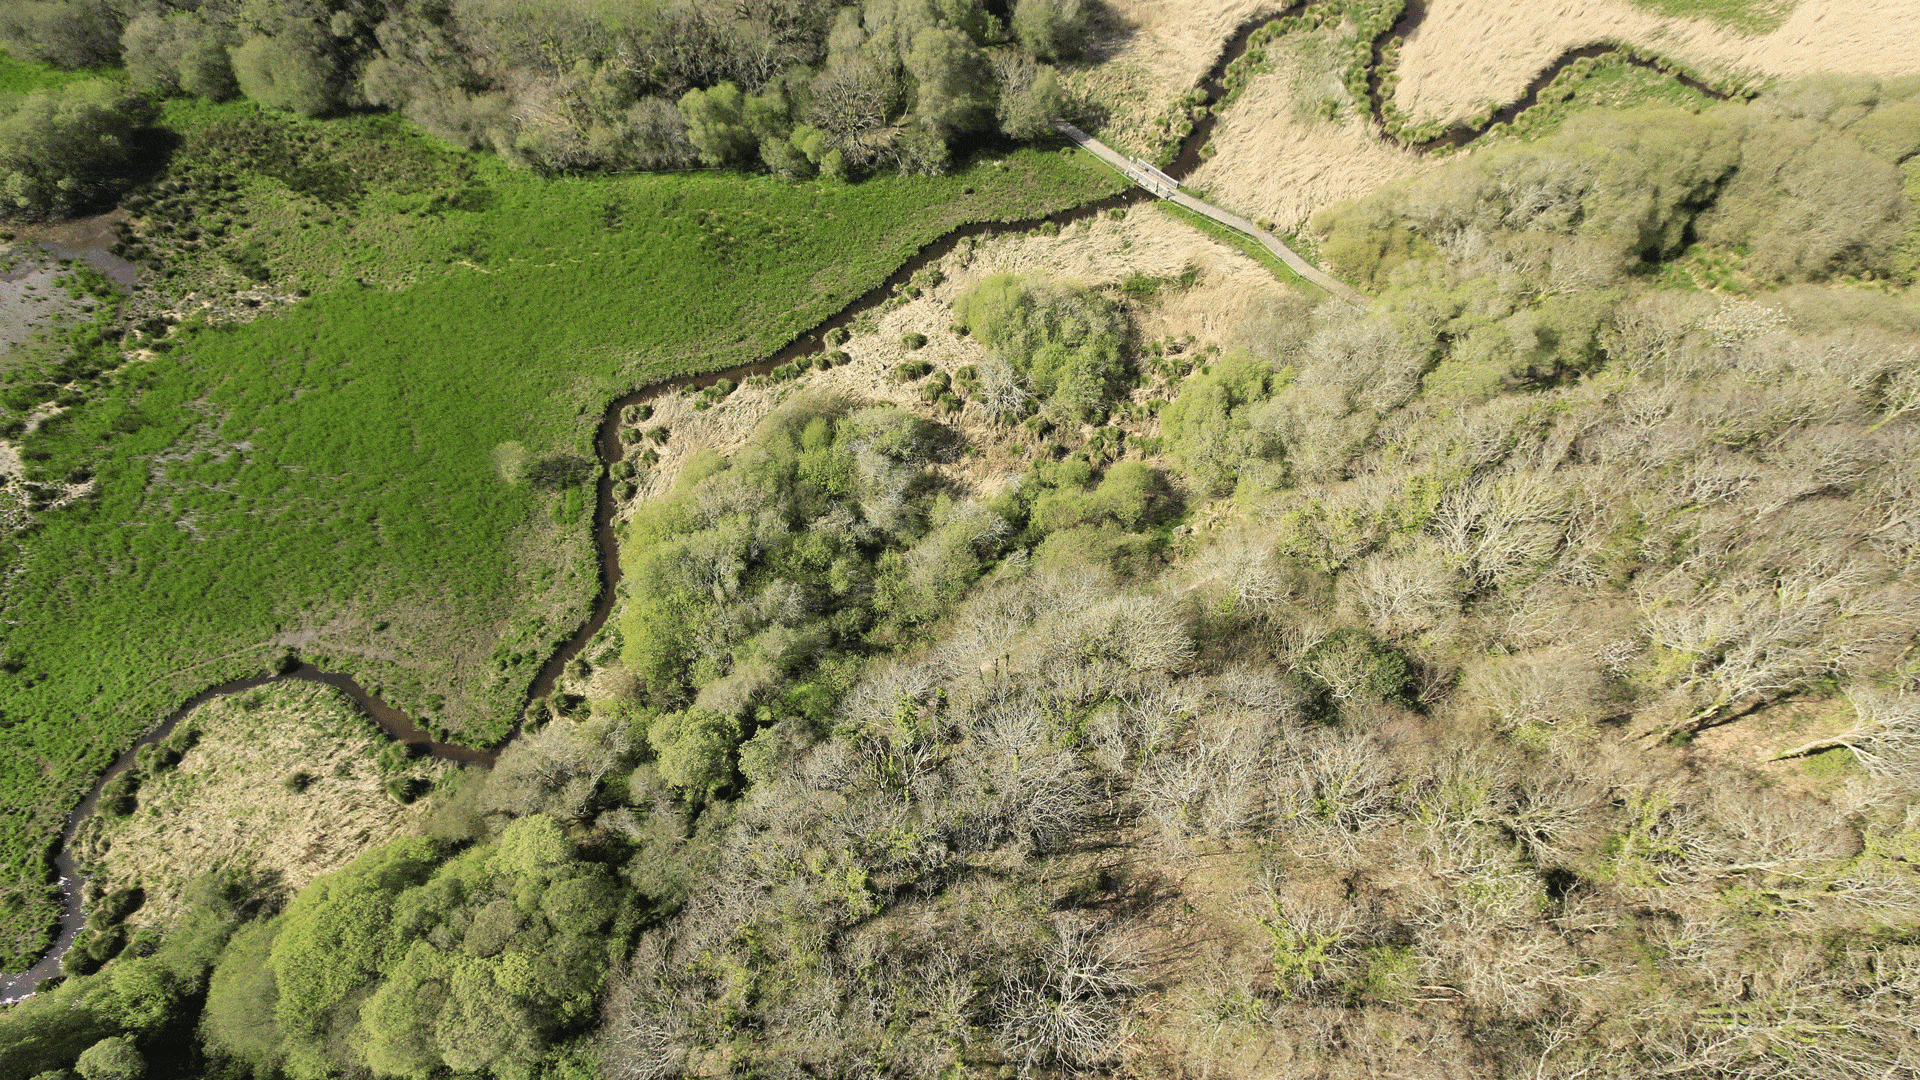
1166, 187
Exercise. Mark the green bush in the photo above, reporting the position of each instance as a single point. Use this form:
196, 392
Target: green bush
66, 148
111, 1059
1209, 427
1065, 339
292, 69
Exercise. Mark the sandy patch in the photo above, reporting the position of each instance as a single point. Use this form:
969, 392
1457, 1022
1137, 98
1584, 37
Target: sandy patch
1275, 159
1097, 253
1472, 53
1146, 53
227, 802
29, 300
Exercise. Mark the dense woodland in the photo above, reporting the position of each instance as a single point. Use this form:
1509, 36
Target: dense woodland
1400, 636
797, 87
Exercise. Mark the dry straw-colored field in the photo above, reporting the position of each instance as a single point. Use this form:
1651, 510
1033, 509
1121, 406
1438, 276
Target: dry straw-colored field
1470, 53
1277, 158
1097, 253
229, 803
1146, 53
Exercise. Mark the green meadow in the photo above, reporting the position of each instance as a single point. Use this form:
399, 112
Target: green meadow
21, 76
325, 479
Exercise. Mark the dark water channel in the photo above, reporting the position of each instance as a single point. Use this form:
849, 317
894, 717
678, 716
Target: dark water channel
1461, 134
90, 240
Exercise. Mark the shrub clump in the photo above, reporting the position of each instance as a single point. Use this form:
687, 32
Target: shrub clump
1062, 339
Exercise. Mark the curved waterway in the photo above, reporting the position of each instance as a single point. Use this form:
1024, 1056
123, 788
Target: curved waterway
399, 727
1463, 133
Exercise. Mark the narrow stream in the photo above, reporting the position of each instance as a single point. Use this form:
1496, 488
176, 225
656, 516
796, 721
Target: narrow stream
1463, 133
609, 449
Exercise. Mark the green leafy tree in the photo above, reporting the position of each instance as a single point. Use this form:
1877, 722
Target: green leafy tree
1063, 337
112, 1059
717, 125
242, 997
176, 53
338, 934
65, 148
954, 79
1209, 427
140, 995
68, 33
695, 749
1051, 29
533, 847
1029, 111
293, 69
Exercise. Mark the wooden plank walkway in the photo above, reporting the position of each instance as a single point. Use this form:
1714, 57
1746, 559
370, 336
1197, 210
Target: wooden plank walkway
1165, 187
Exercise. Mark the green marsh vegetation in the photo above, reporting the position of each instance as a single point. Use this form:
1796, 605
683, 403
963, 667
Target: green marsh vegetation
333, 466
22, 76
1746, 16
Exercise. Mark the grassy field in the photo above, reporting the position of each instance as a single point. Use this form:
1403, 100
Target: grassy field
1747, 16
326, 478
20, 76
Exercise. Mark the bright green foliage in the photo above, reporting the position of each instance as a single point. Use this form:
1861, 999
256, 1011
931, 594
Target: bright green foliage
339, 934
1063, 496
143, 998
64, 147
178, 52
473, 966
288, 70
756, 582
695, 749
1051, 29
717, 125
1029, 112
21, 76
533, 847
140, 995
792, 523
1066, 339
241, 1000
111, 1059
954, 81
1075, 517
1210, 427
